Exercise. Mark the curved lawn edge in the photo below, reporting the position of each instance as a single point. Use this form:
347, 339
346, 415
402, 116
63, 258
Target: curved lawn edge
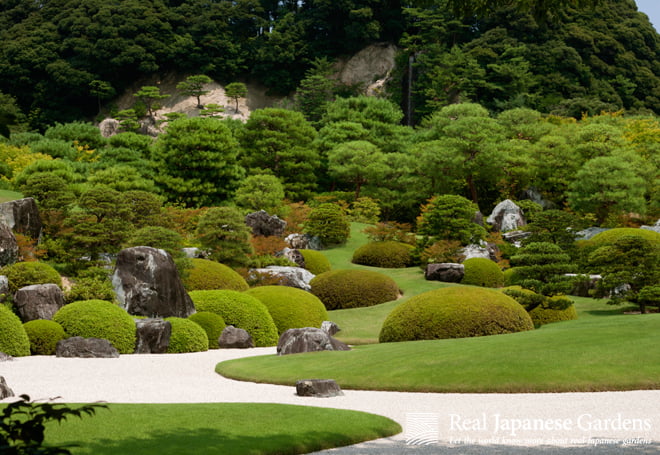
603, 354
231, 428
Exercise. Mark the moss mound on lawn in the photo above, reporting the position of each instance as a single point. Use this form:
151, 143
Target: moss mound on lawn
13, 339
612, 235
240, 310
24, 274
44, 335
482, 272
187, 336
213, 325
542, 315
315, 261
291, 307
207, 275
386, 254
99, 319
456, 312
339, 289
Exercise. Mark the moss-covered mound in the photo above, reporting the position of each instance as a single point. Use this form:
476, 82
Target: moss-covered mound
99, 319
482, 272
24, 274
44, 335
543, 309
339, 289
240, 310
291, 307
315, 261
187, 336
386, 254
213, 325
13, 339
511, 277
612, 235
542, 315
456, 312
207, 275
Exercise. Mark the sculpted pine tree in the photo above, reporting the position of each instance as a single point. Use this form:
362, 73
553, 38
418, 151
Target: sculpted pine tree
194, 86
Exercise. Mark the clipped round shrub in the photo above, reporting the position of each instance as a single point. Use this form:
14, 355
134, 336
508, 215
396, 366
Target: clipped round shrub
213, 325
187, 336
240, 310
387, 254
315, 261
482, 272
511, 277
291, 308
612, 235
207, 275
455, 312
542, 309
542, 315
99, 319
44, 335
329, 223
339, 289
24, 274
13, 339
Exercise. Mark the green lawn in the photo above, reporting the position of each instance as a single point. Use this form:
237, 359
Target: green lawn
222, 428
6, 196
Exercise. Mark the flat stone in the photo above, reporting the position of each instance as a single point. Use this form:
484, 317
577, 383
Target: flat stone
85, 348
319, 388
308, 339
235, 338
448, 272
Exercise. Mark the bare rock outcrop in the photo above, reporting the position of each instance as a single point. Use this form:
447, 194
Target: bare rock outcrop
38, 301
308, 339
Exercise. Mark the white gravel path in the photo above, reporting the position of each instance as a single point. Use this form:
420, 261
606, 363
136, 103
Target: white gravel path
576, 423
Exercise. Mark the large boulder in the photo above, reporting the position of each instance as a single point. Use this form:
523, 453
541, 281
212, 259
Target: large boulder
38, 301
235, 338
319, 388
308, 339
264, 224
295, 277
655, 227
22, 216
484, 250
109, 127
8, 246
447, 272
589, 233
293, 255
86, 348
4, 288
147, 283
330, 327
506, 216
5, 391
303, 242
153, 336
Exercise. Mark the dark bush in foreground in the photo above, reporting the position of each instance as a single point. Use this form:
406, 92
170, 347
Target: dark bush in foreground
482, 272
353, 288
43, 335
187, 336
455, 312
291, 308
207, 275
387, 254
13, 339
213, 325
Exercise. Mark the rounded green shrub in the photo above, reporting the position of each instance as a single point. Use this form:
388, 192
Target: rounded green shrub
329, 223
542, 309
13, 339
387, 254
482, 272
240, 310
339, 289
44, 335
99, 319
207, 275
213, 325
187, 336
24, 274
290, 307
542, 315
455, 312
612, 235
511, 277
315, 261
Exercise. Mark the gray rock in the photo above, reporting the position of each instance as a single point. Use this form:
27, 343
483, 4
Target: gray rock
233, 338
153, 336
506, 216
308, 339
195, 253
295, 277
264, 224
147, 283
447, 272
330, 327
5, 391
303, 242
109, 127
655, 227
515, 237
589, 233
38, 301
86, 348
22, 216
535, 196
485, 250
8, 246
5, 357
320, 388
293, 255
4, 288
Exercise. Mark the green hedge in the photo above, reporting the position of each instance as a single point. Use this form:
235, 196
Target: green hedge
353, 288
99, 319
44, 335
208, 275
543, 309
13, 339
213, 325
482, 272
24, 274
315, 261
385, 254
240, 310
187, 336
612, 235
455, 312
511, 277
291, 307
542, 315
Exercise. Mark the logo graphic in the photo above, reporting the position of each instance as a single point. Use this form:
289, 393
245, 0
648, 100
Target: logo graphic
422, 428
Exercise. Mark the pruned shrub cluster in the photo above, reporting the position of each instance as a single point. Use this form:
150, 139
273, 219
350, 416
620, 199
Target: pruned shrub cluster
387, 254
542, 315
187, 336
455, 312
339, 289
13, 339
543, 309
206, 275
290, 307
44, 335
315, 261
24, 274
482, 272
213, 325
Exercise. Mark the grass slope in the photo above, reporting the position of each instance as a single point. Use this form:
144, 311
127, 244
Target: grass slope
223, 428
6, 196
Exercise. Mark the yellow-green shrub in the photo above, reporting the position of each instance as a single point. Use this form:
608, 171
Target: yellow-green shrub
482, 272
24, 274
207, 275
44, 335
213, 325
13, 339
542, 315
315, 261
387, 254
187, 336
353, 288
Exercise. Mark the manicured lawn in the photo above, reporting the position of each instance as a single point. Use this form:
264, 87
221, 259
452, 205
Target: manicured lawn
6, 196
224, 428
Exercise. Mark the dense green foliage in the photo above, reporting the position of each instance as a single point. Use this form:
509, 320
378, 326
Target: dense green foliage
99, 319
240, 310
206, 275
44, 335
13, 339
339, 289
290, 308
455, 312
482, 272
541, 308
26, 273
545, 315
212, 323
223, 233
450, 217
329, 223
541, 267
315, 261
187, 336
387, 254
